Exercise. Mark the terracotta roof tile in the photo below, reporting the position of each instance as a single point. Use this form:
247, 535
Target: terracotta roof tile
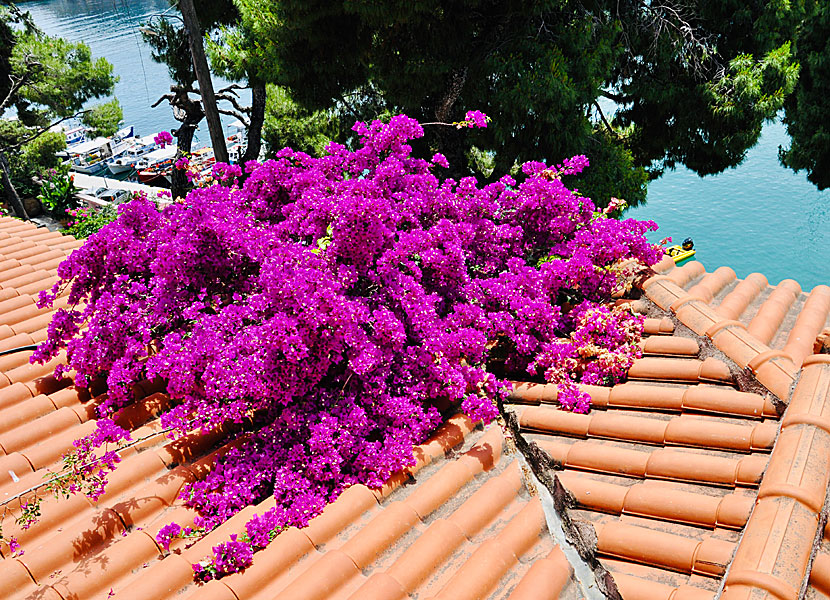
711, 284
683, 430
670, 346
771, 313
658, 326
696, 398
677, 482
739, 298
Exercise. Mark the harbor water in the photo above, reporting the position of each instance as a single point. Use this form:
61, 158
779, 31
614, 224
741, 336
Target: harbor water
757, 217
111, 29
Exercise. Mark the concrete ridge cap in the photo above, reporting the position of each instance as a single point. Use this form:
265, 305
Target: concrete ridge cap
816, 359
683, 301
764, 581
721, 325
766, 356
765, 526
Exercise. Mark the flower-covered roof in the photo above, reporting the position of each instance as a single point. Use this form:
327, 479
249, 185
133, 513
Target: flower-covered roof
704, 474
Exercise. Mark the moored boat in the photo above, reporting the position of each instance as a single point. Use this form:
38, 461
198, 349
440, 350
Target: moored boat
128, 160
154, 168
73, 130
91, 157
203, 158
237, 141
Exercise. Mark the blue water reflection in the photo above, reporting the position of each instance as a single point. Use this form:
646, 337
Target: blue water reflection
757, 217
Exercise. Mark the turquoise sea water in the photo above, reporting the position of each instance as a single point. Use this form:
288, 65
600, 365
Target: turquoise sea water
758, 217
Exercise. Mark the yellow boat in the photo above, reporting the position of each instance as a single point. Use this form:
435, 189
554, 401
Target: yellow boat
681, 252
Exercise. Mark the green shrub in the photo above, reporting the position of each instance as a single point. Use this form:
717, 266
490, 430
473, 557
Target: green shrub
86, 221
57, 192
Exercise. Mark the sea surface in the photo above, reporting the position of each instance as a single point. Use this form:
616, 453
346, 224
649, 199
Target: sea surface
757, 217
111, 29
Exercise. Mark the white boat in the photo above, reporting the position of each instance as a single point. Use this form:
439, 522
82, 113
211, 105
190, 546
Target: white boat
73, 130
91, 157
237, 141
123, 140
156, 156
154, 167
128, 160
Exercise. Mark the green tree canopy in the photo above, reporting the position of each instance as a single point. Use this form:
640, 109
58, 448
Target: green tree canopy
233, 54
690, 83
31, 159
807, 110
287, 124
103, 119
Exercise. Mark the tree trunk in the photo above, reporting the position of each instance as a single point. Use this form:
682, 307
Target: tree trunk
179, 185
449, 140
200, 65
11, 193
258, 98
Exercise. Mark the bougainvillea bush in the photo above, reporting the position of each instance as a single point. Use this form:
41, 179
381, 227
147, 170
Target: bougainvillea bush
337, 308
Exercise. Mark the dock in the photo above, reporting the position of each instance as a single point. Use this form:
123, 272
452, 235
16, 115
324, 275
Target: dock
84, 181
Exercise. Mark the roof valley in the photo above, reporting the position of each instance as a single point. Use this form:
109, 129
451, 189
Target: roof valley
594, 580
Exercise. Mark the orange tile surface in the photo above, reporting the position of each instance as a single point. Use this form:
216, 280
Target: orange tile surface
708, 469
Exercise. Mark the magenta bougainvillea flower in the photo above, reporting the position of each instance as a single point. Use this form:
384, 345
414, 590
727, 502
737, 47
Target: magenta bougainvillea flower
331, 305
163, 138
476, 118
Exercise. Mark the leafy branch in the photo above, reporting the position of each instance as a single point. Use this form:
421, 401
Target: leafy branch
74, 476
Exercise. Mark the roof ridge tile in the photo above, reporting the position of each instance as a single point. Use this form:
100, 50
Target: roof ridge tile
738, 300
777, 545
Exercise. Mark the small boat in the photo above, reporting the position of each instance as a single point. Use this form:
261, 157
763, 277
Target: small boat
202, 158
73, 130
129, 158
237, 142
680, 252
123, 140
91, 157
154, 168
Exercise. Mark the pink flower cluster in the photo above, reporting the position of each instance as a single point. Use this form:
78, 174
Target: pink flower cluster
167, 533
338, 309
226, 173
602, 346
228, 557
476, 118
163, 138
93, 457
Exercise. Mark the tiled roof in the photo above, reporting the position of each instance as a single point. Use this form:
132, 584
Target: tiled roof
704, 474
